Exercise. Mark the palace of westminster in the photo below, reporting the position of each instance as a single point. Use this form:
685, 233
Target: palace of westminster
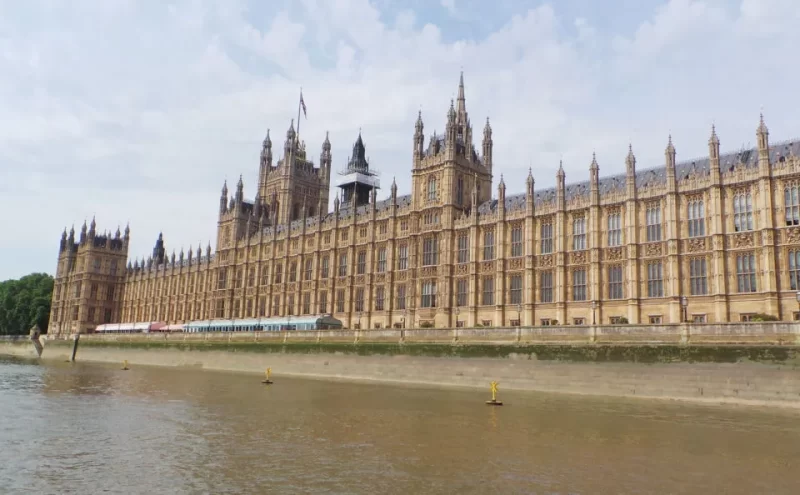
716, 239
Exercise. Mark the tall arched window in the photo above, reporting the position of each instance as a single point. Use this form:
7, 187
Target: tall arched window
743, 212
460, 190
432, 189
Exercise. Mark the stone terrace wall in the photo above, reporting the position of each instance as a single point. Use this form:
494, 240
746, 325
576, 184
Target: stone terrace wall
777, 333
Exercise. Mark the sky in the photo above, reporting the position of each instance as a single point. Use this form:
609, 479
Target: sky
137, 111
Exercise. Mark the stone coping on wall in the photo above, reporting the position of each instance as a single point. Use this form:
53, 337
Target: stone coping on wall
778, 333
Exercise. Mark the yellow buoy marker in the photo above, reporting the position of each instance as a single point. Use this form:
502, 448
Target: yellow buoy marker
267, 373
125, 365
494, 401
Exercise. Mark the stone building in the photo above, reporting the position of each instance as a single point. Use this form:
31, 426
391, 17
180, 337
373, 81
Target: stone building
722, 231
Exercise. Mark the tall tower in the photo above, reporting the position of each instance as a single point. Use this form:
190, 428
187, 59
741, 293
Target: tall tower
89, 280
357, 181
294, 188
450, 167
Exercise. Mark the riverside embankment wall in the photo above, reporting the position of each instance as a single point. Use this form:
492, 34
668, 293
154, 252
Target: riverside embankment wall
755, 363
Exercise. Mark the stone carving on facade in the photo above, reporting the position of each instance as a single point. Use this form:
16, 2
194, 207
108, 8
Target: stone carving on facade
401, 275
360, 279
613, 254
308, 285
341, 280
696, 245
428, 271
462, 268
791, 235
487, 266
379, 277
577, 257
291, 287
323, 284
743, 240
515, 264
653, 249
546, 260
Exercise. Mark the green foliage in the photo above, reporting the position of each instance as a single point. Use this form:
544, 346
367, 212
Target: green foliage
25, 303
763, 317
622, 320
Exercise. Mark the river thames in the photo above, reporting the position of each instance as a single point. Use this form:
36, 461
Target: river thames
89, 428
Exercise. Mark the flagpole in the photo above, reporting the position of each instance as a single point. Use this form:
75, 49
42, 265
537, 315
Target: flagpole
298, 115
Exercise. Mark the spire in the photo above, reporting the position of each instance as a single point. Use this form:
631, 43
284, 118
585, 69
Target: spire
669, 154
762, 127
713, 139
64, 234
93, 226
326, 145
560, 174
594, 167
290, 134
630, 161
127, 231
267, 141
225, 188
670, 146
117, 234
393, 188
419, 126
529, 183
239, 189
461, 108
208, 250
487, 130
451, 114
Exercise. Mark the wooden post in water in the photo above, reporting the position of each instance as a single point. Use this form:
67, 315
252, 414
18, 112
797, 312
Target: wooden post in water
75, 339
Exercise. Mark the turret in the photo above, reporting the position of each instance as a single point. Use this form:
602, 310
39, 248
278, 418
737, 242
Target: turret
487, 146
419, 138
561, 186
762, 137
288, 148
501, 194
159, 253
92, 229
630, 172
594, 180
266, 154
669, 156
239, 192
83, 233
325, 159
393, 192
223, 199
529, 199
713, 155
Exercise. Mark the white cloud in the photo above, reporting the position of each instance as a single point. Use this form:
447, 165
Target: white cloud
138, 111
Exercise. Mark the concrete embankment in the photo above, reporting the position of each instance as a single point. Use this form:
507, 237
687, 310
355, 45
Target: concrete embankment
755, 364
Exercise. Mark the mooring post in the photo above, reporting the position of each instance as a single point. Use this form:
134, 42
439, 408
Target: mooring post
75, 339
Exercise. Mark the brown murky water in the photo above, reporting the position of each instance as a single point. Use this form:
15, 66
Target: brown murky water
83, 428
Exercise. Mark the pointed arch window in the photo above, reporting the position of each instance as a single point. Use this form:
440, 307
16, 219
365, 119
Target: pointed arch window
697, 216
743, 211
432, 189
460, 190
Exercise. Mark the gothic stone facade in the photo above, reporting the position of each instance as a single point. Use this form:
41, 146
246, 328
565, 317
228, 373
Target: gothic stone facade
723, 231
